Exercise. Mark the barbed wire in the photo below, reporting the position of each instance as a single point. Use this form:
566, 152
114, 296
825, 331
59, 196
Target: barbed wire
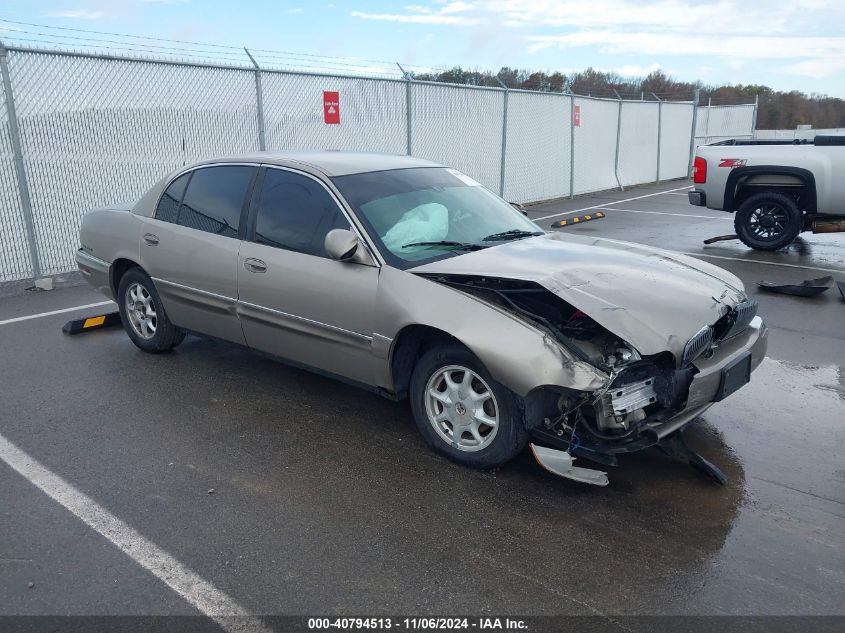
165, 49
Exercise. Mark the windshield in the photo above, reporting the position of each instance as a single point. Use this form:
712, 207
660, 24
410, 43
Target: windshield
427, 213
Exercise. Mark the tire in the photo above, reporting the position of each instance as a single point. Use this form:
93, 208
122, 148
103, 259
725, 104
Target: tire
143, 315
463, 405
768, 221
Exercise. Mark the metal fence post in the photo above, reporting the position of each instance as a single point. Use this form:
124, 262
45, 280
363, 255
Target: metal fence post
408, 128
20, 171
618, 136
259, 102
695, 100
754, 116
571, 147
504, 139
659, 133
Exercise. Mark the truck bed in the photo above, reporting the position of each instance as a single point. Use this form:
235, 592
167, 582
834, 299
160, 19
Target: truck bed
826, 141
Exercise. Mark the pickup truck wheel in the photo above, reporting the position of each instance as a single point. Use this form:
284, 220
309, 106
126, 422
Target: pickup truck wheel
143, 315
768, 221
462, 412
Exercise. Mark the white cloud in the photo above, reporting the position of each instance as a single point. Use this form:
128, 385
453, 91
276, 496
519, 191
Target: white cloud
76, 14
417, 8
421, 14
635, 70
295, 10
816, 68
715, 16
736, 32
457, 7
416, 18
735, 47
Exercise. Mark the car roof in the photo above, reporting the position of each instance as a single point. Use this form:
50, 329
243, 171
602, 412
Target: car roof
331, 163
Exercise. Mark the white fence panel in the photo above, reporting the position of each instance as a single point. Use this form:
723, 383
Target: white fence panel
675, 131
638, 143
719, 123
372, 113
460, 127
99, 131
538, 147
595, 144
14, 248
797, 134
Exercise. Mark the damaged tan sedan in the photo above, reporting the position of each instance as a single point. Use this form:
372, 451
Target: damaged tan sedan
412, 280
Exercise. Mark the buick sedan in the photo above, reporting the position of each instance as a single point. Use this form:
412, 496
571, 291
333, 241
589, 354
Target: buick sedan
410, 279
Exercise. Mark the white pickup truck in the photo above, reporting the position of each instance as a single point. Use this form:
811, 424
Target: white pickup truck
776, 188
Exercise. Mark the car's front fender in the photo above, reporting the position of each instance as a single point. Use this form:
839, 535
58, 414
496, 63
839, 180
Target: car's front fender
516, 354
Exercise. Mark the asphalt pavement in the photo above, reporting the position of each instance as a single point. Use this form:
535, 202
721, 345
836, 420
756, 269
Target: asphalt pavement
294, 494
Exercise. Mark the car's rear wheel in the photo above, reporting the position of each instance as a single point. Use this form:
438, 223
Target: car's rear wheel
143, 315
462, 412
768, 221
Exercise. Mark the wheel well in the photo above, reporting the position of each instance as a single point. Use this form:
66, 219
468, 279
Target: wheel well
798, 184
797, 192
411, 343
119, 268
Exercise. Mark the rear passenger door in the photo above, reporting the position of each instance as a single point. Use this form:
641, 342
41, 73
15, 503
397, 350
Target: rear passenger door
296, 302
190, 248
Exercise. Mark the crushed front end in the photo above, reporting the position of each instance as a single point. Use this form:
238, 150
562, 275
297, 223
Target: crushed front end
647, 400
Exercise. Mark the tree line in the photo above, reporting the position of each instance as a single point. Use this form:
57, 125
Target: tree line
777, 109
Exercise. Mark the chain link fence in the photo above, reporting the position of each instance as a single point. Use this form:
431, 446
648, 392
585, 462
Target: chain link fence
720, 123
797, 134
80, 131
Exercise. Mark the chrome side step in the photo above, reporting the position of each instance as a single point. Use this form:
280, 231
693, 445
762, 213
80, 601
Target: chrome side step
560, 463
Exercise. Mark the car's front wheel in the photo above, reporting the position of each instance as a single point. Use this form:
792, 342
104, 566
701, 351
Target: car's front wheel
768, 221
143, 315
462, 412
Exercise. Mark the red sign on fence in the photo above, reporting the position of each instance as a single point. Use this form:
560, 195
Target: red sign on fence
331, 107
576, 116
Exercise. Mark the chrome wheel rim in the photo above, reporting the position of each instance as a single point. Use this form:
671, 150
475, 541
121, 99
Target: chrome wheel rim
141, 311
461, 408
768, 222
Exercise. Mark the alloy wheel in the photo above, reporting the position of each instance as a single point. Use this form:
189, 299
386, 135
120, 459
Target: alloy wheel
461, 408
141, 311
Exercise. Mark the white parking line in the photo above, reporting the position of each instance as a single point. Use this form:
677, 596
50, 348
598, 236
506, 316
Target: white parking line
764, 263
680, 215
598, 206
62, 311
672, 193
194, 589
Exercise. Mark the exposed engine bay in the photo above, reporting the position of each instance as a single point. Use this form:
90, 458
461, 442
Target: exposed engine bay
641, 393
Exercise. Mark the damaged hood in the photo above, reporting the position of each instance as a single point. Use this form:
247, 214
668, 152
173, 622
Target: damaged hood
654, 299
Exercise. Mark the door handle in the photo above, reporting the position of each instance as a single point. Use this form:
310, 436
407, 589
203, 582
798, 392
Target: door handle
255, 265
151, 239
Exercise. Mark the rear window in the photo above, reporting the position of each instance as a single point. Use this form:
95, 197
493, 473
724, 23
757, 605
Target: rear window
168, 206
215, 198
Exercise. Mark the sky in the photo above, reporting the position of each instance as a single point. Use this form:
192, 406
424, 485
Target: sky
785, 44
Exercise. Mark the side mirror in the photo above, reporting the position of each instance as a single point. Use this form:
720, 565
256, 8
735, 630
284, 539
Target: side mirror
519, 208
341, 244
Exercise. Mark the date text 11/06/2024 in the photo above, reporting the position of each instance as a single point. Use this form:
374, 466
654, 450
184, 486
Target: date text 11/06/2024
418, 624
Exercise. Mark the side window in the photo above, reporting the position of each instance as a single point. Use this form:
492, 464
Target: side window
295, 213
214, 199
168, 206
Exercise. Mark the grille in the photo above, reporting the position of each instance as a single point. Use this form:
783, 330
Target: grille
697, 344
744, 312
736, 321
